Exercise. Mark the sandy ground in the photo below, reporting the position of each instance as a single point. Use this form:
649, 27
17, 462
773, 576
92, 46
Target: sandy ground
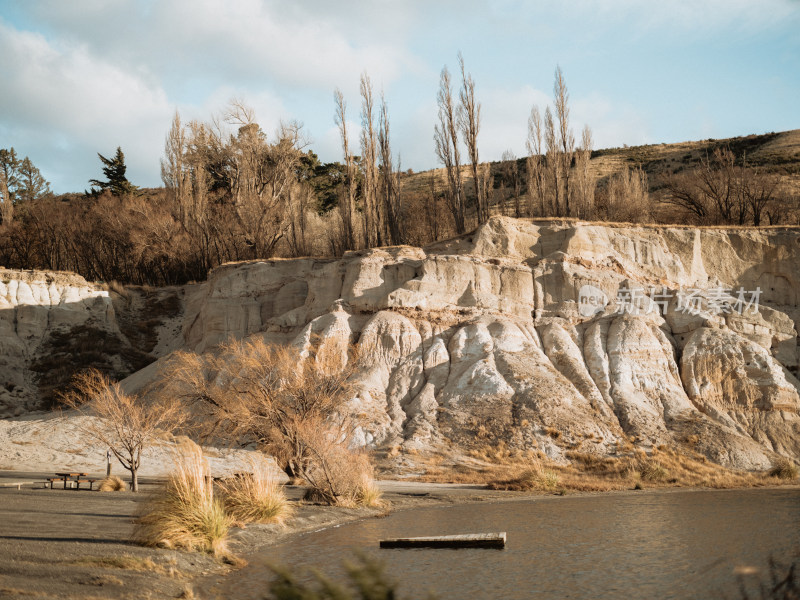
54, 441
77, 543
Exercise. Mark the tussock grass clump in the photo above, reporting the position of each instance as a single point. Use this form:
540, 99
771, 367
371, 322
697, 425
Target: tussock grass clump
185, 514
369, 494
658, 467
112, 483
783, 468
533, 477
255, 497
651, 470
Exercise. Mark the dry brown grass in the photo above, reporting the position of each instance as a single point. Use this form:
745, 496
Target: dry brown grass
369, 494
535, 477
123, 561
185, 514
255, 497
783, 468
112, 484
505, 469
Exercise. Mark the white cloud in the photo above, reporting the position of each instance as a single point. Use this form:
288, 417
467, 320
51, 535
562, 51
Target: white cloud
246, 42
64, 97
505, 119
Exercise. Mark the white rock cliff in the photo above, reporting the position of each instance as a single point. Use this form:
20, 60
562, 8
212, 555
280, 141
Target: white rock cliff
551, 335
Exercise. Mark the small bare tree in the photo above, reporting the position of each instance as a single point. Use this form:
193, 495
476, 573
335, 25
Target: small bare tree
9, 165
760, 191
6, 203
431, 204
127, 424
536, 173
627, 197
174, 171
511, 179
584, 181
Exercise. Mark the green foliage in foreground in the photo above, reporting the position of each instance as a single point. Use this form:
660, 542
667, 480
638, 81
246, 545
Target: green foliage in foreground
368, 581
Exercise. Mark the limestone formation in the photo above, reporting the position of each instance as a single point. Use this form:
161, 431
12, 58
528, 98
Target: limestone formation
559, 336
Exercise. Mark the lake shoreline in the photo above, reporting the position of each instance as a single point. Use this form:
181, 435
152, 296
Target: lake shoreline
70, 543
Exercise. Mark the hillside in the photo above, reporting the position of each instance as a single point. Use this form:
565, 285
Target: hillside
777, 153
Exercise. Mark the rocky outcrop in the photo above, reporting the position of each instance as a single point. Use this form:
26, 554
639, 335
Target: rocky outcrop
53, 325
33, 305
559, 336
556, 336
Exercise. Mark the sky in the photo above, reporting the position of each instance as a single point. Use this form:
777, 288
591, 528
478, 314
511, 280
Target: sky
83, 77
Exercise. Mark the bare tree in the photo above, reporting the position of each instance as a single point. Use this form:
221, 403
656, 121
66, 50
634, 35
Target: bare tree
627, 197
372, 221
174, 171
431, 209
446, 139
260, 175
511, 178
125, 423
585, 182
255, 392
9, 165
720, 191
553, 160
347, 200
566, 140
469, 122
535, 164
390, 185
760, 190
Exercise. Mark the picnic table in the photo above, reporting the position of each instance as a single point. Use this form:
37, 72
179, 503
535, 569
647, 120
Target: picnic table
70, 477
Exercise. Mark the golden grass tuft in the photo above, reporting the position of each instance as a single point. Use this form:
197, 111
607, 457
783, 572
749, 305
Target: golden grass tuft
255, 497
112, 483
184, 513
369, 494
664, 467
652, 470
122, 561
534, 477
783, 468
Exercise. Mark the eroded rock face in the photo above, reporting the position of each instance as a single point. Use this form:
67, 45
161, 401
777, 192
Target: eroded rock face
54, 325
33, 305
483, 338
491, 338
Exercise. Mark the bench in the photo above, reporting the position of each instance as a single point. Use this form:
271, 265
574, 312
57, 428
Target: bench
70, 478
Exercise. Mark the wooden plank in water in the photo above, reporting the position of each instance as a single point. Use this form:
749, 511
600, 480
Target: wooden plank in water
468, 540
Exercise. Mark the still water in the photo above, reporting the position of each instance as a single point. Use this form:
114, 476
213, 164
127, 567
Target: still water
685, 544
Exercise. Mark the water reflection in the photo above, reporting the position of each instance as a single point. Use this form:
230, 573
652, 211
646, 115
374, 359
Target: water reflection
654, 545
